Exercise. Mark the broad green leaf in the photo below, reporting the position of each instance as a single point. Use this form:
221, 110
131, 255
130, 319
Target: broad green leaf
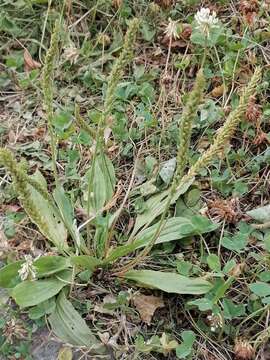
214, 262
189, 204
67, 213
167, 170
184, 267
44, 308
101, 234
237, 243
48, 265
220, 288
9, 276
155, 206
69, 326
229, 266
64, 205
177, 228
232, 310
203, 304
264, 276
185, 349
54, 229
267, 242
120, 251
260, 288
174, 229
147, 32
86, 262
101, 178
261, 214
170, 282
31, 293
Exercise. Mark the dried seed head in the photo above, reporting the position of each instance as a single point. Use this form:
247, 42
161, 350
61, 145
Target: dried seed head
186, 33
172, 29
253, 113
249, 8
14, 329
224, 210
103, 39
243, 350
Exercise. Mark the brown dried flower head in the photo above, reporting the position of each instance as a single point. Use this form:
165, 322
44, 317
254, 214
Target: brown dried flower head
249, 8
243, 350
224, 210
253, 113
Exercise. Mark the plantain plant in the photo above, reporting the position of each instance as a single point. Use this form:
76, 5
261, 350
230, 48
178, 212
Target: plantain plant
41, 285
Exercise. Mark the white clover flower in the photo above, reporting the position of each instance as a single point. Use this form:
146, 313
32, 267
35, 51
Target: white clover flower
172, 29
215, 322
206, 21
28, 271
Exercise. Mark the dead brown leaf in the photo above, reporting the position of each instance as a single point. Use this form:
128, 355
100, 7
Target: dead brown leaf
117, 3
147, 305
218, 91
29, 62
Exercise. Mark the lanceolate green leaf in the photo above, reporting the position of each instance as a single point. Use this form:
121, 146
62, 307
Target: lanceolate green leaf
155, 206
48, 265
55, 230
101, 177
86, 262
30, 293
174, 229
68, 325
170, 282
9, 276
67, 213
177, 228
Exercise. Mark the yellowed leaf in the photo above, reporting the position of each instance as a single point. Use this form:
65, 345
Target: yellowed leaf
65, 353
147, 305
167, 344
29, 62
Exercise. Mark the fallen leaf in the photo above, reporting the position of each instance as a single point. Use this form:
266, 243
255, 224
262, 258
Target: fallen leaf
29, 63
218, 91
117, 3
147, 305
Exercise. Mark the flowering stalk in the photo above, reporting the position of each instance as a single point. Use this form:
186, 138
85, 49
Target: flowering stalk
186, 124
224, 135
226, 131
20, 181
82, 123
47, 86
185, 134
118, 67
